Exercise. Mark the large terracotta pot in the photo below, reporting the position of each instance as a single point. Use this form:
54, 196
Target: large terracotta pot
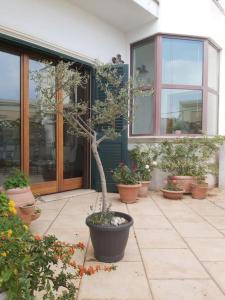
128, 193
21, 196
199, 191
174, 195
183, 182
143, 191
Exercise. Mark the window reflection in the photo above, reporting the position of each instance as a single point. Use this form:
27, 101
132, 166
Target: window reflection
181, 111
42, 136
9, 113
182, 61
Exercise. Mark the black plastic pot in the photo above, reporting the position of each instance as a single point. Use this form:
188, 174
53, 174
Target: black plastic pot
109, 242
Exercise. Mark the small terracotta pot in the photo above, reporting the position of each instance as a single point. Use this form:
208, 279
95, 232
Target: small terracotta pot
35, 215
174, 195
128, 192
143, 191
21, 196
183, 182
199, 191
28, 209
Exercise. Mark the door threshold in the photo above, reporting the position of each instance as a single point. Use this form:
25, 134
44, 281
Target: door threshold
66, 195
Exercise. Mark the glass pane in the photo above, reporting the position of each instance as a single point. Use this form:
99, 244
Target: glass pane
212, 114
73, 146
143, 63
9, 113
181, 111
143, 115
42, 137
182, 61
213, 68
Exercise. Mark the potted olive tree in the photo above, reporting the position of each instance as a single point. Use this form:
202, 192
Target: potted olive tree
185, 159
144, 159
96, 122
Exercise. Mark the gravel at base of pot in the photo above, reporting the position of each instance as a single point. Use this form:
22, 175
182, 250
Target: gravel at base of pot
109, 242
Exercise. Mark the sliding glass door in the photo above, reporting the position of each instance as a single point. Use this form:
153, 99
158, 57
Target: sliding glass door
37, 143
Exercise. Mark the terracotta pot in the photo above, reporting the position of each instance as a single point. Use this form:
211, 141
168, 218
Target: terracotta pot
22, 196
199, 191
35, 215
28, 209
183, 182
174, 195
143, 191
128, 192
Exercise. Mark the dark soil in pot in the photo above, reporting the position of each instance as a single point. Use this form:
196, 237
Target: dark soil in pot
109, 242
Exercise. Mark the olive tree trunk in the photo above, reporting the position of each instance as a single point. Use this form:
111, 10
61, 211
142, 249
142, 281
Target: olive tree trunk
94, 147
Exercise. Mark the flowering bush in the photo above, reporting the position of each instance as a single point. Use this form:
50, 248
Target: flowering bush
124, 175
30, 264
145, 161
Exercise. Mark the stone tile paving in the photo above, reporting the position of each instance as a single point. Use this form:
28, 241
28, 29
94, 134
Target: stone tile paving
176, 249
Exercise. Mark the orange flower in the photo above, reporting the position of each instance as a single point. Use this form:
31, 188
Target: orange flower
80, 245
81, 270
37, 237
90, 270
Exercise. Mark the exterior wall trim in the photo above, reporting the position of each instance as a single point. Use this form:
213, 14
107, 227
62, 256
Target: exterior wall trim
33, 42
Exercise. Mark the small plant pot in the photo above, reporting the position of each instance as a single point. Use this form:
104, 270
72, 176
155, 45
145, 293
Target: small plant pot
199, 191
143, 190
36, 215
174, 195
128, 193
109, 242
21, 196
28, 209
183, 182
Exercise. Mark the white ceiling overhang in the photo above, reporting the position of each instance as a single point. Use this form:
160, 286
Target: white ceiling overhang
123, 14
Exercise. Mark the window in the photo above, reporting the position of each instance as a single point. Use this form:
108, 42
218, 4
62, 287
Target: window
143, 72
186, 96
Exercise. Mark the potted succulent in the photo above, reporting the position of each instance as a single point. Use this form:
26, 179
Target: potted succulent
144, 159
186, 158
172, 191
28, 262
96, 122
128, 183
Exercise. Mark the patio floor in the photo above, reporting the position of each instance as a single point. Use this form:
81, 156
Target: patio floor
176, 249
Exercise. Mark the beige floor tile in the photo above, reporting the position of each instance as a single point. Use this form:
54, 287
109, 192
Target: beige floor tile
206, 208
171, 205
183, 216
70, 221
172, 264
128, 282
159, 239
208, 249
48, 214
40, 227
144, 206
202, 229
185, 290
151, 222
53, 204
217, 270
217, 221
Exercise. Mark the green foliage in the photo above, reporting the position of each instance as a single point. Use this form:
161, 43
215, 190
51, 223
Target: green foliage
189, 156
144, 160
30, 264
172, 187
16, 179
124, 175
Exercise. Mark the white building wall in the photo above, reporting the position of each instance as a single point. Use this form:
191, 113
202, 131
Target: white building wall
193, 17
61, 24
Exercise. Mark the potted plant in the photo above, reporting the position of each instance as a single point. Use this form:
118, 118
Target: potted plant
28, 263
95, 121
128, 183
185, 158
17, 188
199, 190
172, 191
144, 159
